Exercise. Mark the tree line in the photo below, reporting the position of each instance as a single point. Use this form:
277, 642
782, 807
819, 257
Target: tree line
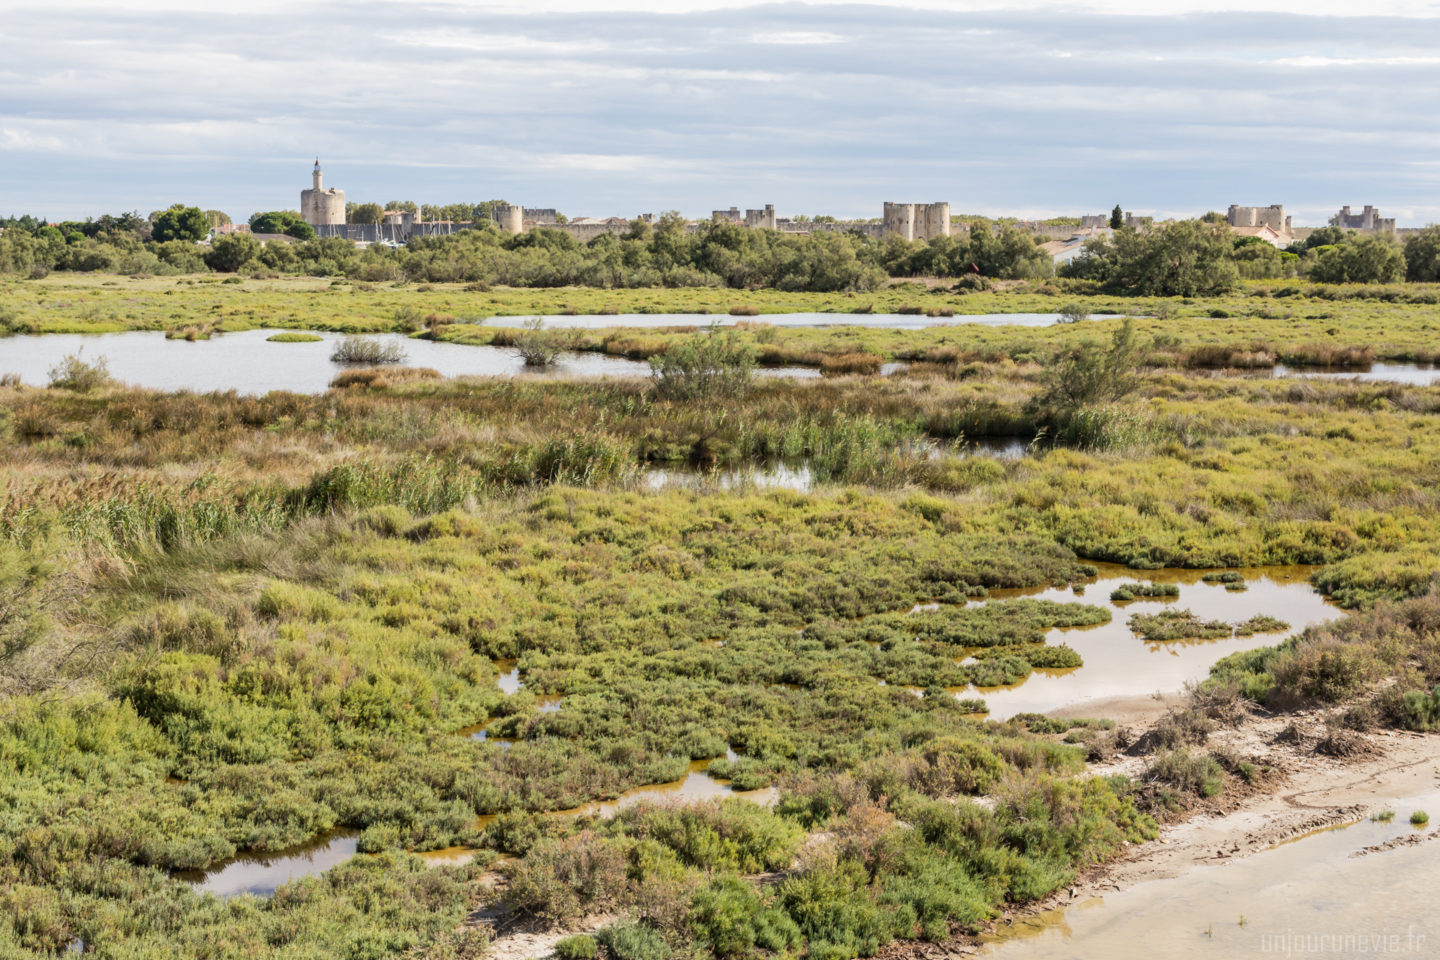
1187, 258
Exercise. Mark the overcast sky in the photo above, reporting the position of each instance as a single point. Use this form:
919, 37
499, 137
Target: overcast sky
643, 105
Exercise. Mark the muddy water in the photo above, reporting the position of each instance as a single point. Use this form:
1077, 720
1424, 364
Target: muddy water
261, 873
1119, 664
1289, 897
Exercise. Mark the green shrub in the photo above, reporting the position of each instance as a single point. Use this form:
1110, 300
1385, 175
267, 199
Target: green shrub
73, 373
730, 916
1190, 773
832, 907
1419, 710
355, 349
634, 941
1419, 818
579, 947
709, 365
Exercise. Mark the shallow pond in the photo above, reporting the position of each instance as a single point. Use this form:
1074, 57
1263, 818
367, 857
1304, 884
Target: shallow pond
1120, 664
1410, 374
261, 873
246, 362
1289, 897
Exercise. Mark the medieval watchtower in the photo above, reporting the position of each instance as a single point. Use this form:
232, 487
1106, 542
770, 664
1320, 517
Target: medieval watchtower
320, 206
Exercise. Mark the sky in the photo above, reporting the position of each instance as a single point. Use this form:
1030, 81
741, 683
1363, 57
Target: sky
1028, 108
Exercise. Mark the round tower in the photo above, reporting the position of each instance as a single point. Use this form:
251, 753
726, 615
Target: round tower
320, 206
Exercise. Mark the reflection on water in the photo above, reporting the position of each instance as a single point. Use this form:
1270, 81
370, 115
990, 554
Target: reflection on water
893, 321
695, 786
261, 873
774, 476
1119, 664
509, 681
246, 362
796, 474
1412, 374
1275, 903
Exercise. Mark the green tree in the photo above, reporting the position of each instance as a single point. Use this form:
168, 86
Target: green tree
366, 213
1422, 256
217, 218
1185, 259
1117, 218
1364, 259
404, 206
229, 253
180, 223
282, 221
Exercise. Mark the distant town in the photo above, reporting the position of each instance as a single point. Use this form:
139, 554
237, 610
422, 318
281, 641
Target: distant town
327, 211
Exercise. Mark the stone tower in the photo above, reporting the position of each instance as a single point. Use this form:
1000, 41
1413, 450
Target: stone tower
916, 221
510, 218
319, 206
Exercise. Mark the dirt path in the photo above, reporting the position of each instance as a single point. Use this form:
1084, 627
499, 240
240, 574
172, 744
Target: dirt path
1305, 792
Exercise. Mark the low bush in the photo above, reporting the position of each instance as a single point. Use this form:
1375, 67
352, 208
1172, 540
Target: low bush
634, 941
579, 947
355, 349
74, 373
1195, 774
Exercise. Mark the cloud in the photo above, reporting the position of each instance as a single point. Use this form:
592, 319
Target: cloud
831, 107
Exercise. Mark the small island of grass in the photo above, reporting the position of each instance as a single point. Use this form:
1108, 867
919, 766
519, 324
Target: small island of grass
291, 337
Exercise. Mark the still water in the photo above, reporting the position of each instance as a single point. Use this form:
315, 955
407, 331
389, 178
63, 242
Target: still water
261, 873
1120, 664
890, 321
1410, 374
796, 474
1278, 903
247, 363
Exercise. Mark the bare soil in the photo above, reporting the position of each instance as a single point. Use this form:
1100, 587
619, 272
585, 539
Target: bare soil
1300, 792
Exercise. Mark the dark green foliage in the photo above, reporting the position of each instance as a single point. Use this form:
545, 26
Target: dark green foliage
1422, 255
282, 221
180, 223
1360, 259
1184, 259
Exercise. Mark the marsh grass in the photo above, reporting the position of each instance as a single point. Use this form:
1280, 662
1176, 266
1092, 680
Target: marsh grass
293, 337
291, 603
